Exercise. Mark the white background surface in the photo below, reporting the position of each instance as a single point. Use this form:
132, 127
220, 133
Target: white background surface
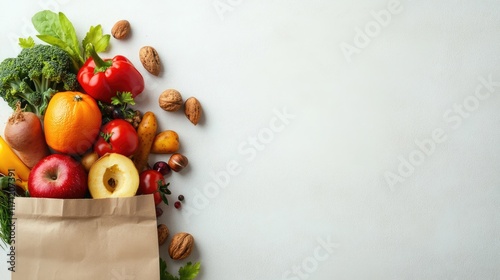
321, 175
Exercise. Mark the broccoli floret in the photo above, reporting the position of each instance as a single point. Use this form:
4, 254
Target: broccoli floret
35, 75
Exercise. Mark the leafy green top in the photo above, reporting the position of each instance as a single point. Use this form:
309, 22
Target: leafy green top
56, 29
187, 272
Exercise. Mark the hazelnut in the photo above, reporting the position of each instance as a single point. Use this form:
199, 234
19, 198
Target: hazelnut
177, 162
170, 100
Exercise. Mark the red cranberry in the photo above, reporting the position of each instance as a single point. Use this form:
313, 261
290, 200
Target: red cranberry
162, 167
159, 212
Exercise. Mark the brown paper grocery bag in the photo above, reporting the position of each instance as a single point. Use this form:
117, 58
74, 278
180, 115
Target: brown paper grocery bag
88, 239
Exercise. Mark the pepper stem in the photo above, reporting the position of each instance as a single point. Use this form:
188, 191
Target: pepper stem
100, 64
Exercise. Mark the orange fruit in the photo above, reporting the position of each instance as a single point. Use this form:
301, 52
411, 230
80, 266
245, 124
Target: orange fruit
71, 122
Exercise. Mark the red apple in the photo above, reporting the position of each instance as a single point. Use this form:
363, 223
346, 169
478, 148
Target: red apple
58, 176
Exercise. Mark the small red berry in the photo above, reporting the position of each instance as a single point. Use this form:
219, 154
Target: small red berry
162, 167
159, 212
177, 204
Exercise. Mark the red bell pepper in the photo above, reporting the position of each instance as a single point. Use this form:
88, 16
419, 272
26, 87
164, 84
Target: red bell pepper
103, 79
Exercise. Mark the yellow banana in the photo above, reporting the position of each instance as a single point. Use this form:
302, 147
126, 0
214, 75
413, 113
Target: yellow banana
11, 165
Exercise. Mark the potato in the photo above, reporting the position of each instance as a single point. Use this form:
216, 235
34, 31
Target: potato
165, 142
146, 132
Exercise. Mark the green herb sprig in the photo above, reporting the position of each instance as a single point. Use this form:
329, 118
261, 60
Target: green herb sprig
187, 272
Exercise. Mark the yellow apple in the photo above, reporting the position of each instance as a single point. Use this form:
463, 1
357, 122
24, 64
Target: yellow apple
113, 175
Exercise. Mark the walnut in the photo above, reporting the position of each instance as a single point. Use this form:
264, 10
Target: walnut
170, 100
181, 246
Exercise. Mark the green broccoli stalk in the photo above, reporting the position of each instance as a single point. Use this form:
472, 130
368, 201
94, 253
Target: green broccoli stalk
34, 76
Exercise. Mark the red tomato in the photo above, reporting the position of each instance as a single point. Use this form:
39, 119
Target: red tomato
152, 182
117, 136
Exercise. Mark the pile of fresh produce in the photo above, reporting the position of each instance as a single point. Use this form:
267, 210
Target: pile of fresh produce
74, 132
